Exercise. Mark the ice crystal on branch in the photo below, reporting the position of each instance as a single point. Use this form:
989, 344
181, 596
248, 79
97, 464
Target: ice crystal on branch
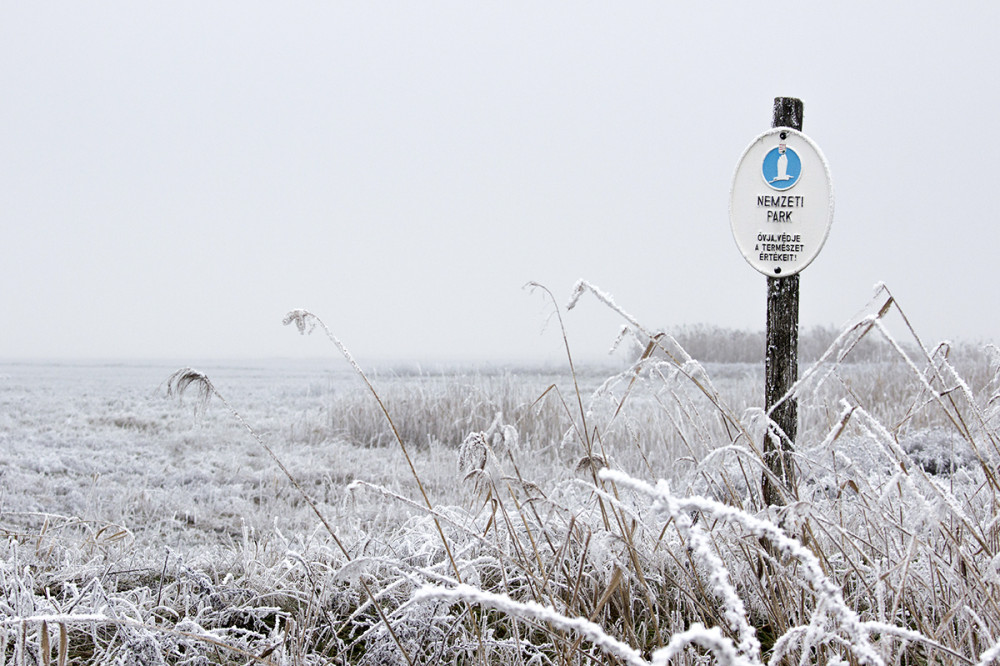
304, 320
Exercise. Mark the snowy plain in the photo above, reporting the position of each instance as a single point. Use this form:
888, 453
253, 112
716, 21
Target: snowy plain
517, 519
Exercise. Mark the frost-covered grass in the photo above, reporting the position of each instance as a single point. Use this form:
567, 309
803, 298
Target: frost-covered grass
308, 513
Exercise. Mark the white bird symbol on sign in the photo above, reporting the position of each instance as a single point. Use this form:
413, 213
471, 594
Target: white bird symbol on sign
782, 164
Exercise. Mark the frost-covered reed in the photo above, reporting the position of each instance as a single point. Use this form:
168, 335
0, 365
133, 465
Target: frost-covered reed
490, 520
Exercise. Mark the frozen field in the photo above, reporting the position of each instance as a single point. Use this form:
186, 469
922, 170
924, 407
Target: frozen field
142, 528
103, 447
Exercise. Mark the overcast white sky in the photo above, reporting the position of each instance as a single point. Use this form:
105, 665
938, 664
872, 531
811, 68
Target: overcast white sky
175, 176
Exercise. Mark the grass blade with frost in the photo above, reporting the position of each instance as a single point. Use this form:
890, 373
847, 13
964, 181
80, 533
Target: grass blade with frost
184, 379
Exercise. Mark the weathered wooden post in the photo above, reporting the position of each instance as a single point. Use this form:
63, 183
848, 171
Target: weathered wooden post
781, 358
780, 208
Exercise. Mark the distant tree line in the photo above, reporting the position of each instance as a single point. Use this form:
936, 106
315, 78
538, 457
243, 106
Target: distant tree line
708, 343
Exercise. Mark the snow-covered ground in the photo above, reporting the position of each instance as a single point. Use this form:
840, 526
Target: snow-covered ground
147, 528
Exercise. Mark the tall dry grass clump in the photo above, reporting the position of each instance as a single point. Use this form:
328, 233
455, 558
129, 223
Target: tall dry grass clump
885, 553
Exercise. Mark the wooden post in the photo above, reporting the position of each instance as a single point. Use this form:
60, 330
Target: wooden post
781, 364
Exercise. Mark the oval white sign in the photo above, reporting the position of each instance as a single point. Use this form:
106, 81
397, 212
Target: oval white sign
781, 203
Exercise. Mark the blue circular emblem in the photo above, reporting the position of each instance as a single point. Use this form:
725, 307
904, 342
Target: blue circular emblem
781, 168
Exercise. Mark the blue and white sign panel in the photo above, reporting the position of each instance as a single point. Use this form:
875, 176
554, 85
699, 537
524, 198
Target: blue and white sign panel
782, 167
781, 203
